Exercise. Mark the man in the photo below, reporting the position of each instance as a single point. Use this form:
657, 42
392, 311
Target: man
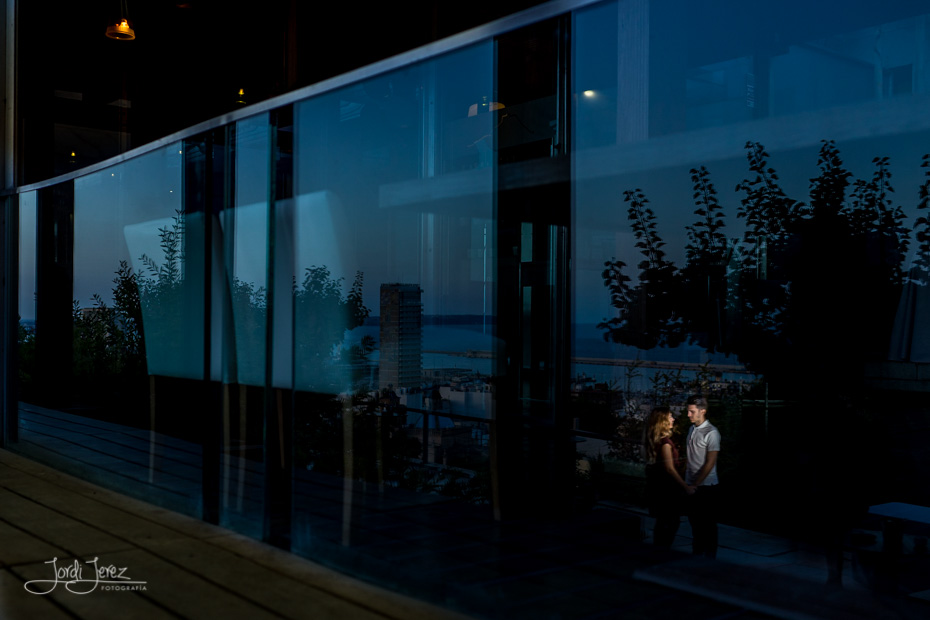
703, 446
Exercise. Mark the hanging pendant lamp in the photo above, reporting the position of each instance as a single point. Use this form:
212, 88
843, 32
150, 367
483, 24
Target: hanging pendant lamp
122, 29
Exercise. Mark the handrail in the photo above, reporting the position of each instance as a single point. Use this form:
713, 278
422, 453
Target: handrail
574, 432
448, 414
425, 52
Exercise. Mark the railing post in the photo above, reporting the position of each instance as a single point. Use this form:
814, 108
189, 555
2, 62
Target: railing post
425, 437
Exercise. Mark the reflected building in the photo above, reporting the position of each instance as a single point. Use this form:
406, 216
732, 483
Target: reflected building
401, 336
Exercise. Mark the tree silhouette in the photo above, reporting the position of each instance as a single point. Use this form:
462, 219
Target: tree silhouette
649, 312
249, 311
805, 296
167, 299
707, 277
322, 315
108, 353
922, 229
108, 340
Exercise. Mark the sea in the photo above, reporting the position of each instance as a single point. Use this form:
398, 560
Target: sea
471, 346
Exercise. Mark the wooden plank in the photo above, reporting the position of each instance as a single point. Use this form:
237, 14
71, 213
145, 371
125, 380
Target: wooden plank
21, 547
55, 531
17, 604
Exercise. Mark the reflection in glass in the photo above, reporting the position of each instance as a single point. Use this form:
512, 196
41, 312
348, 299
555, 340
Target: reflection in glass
289, 324
246, 228
27, 296
161, 243
125, 256
245, 233
393, 323
751, 228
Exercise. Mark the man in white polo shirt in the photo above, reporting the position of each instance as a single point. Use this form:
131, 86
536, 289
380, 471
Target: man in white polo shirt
703, 446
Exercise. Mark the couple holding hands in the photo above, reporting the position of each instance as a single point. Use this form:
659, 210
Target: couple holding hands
674, 487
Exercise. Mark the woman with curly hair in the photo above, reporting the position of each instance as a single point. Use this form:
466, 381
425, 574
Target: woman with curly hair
665, 488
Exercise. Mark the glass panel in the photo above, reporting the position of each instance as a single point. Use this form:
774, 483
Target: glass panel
47, 374
245, 231
738, 236
26, 383
132, 216
122, 413
393, 256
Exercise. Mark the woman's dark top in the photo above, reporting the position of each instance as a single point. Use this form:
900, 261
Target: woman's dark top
663, 494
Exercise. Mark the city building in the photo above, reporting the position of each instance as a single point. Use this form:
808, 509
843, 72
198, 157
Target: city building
547, 217
400, 364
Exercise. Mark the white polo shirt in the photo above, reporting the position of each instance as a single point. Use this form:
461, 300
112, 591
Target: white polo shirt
701, 440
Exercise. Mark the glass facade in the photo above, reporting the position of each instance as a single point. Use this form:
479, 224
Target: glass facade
389, 239
383, 321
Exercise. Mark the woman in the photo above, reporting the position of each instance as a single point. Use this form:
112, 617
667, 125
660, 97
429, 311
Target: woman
665, 488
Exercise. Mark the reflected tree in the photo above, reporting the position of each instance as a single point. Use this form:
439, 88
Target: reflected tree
160, 288
921, 273
109, 351
649, 312
806, 295
249, 314
108, 340
322, 316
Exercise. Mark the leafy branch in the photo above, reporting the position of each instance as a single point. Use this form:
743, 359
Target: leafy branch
778, 297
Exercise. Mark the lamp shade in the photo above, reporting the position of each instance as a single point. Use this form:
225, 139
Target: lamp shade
121, 31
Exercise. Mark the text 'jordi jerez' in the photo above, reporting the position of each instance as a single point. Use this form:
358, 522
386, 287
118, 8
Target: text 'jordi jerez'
72, 577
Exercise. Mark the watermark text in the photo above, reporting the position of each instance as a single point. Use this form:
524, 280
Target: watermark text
81, 579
